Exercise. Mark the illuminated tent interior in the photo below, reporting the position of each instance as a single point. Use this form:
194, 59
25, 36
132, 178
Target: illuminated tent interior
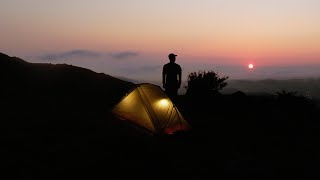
149, 108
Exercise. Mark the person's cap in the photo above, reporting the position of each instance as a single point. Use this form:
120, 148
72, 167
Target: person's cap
172, 55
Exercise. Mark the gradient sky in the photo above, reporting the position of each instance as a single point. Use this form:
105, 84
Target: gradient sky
136, 35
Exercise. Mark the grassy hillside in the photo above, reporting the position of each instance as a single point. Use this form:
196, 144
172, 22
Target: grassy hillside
56, 123
50, 114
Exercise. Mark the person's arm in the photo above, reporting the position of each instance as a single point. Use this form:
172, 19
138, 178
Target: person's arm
163, 77
179, 79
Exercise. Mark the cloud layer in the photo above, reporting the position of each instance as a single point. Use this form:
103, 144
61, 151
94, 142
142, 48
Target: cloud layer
78, 53
124, 55
83, 53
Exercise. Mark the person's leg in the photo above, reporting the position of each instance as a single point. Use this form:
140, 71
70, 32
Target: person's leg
172, 93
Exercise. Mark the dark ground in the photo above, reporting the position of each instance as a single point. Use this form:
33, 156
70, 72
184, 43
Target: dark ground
56, 124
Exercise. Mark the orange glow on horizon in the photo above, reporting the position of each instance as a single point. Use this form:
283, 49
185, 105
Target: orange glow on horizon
217, 32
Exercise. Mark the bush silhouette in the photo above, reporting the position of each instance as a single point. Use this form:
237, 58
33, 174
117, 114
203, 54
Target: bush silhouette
285, 93
291, 98
205, 84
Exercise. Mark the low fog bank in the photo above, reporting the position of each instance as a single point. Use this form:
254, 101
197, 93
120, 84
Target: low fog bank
308, 87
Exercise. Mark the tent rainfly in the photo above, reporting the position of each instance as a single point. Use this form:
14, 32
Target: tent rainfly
148, 107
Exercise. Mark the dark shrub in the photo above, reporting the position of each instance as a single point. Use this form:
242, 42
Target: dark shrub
205, 84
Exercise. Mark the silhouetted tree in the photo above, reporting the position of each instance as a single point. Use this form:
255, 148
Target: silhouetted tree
205, 84
291, 98
285, 93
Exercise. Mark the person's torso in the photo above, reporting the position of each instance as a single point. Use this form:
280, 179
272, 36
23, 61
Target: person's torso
172, 70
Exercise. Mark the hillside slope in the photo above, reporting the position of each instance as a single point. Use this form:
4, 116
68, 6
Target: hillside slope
35, 95
56, 123
21, 78
52, 114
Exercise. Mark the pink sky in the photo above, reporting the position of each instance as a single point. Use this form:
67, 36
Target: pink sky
217, 32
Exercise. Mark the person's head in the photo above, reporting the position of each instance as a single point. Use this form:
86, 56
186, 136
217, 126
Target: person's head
172, 57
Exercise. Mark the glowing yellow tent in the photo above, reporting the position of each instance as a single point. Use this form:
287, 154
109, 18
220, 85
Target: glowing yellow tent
148, 107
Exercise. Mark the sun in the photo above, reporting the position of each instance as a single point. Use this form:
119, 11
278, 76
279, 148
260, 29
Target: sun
250, 66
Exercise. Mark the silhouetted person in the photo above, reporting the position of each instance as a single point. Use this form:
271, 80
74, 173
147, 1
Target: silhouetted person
171, 76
